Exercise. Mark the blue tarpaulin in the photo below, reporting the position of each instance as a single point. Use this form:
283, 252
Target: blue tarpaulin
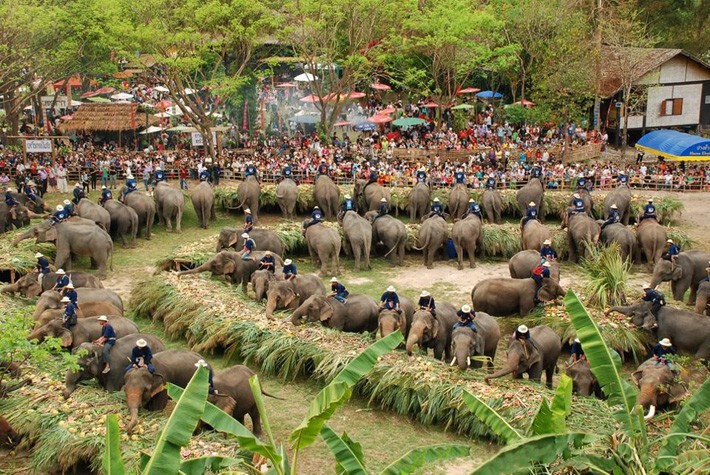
675, 145
489, 95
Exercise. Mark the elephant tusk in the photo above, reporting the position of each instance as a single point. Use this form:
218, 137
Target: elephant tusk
468, 360
651, 412
452, 361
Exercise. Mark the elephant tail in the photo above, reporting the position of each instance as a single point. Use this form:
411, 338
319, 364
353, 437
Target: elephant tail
424, 245
396, 245
272, 396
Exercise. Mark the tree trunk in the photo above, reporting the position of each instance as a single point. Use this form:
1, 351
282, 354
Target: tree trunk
625, 130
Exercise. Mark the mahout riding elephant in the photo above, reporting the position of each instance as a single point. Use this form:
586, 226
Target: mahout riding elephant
389, 321
532, 356
287, 197
50, 299
369, 196
73, 240
419, 200
433, 234
323, 247
522, 264
87, 309
658, 386
434, 332
502, 297
588, 201
583, 381
689, 332
144, 389
621, 197
687, 273
651, 238
37, 206
29, 287
702, 299
94, 212
248, 193
492, 204
358, 238
203, 201
292, 293
532, 191
124, 222
534, 234
22, 217
327, 196
358, 314
468, 237
458, 201
391, 233
229, 264
465, 343
91, 363
260, 281
144, 206
621, 235
264, 240
86, 330
169, 204
582, 232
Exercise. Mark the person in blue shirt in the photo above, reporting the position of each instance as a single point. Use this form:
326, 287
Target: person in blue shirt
655, 297
141, 356
159, 175
536, 171
347, 205
649, 211
268, 262
459, 176
491, 182
106, 195
69, 209
322, 168
42, 265
662, 350
290, 271
69, 318
421, 176
426, 302
248, 247
390, 300
287, 172
58, 216
672, 252
436, 208
250, 170
522, 333
69, 292
371, 178
474, 209
613, 216
205, 175
547, 252
466, 316
581, 183
210, 376
131, 186
31, 191
11, 203
338, 290
577, 351
382, 210
106, 340
623, 179
62, 280
531, 213
248, 220
576, 205
540, 272
78, 193
316, 217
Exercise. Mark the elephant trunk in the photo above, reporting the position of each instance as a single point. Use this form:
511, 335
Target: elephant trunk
270, 305
259, 291
36, 335
701, 303
71, 381
297, 315
647, 395
9, 289
412, 339
656, 280
203, 268
462, 357
21, 237
134, 400
510, 367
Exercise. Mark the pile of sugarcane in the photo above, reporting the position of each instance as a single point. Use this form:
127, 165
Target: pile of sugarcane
21, 258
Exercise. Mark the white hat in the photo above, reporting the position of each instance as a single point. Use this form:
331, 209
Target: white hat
391, 289
665, 342
288, 262
614, 206
436, 199
576, 195
647, 286
491, 175
471, 200
78, 185
267, 253
103, 187
31, 183
532, 203
141, 343
383, 200
102, 318
466, 308
9, 190
247, 210
522, 329
60, 207
424, 294
60, 272
650, 200
546, 264
245, 236
576, 340
316, 207
67, 202
201, 363
347, 197
129, 177
69, 286
334, 279
670, 241
65, 300
38, 255
547, 241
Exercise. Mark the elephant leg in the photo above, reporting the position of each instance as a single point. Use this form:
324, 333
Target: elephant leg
459, 256
255, 421
535, 373
357, 255
178, 221
549, 372
471, 249
693, 294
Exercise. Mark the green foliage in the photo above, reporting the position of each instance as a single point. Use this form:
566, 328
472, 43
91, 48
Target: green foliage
497, 424
417, 458
550, 418
606, 275
112, 462
348, 453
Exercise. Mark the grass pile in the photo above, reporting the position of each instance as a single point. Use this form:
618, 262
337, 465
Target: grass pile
21, 258
607, 274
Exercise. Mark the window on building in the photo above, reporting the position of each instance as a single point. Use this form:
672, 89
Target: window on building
672, 107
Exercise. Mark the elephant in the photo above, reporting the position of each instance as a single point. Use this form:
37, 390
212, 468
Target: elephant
621, 197
419, 199
534, 234
358, 314
94, 212
144, 389
588, 201
144, 206
502, 297
169, 204
369, 196
583, 381
389, 321
688, 272
37, 206
51, 299
358, 238
466, 343
582, 232
203, 201
260, 281
228, 263
468, 237
22, 217
327, 196
492, 204
621, 235
91, 364
264, 240
433, 234
391, 233
533, 191
658, 386
85, 310
292, 293
248, 193
124, 222
532, 356
73, 239
701, 299
29, 287
86, 330
458, 201
287, 197
323, 247
651, 238
434, 332
522, 264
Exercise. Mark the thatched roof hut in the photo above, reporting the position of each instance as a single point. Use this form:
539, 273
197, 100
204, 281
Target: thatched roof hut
108, 117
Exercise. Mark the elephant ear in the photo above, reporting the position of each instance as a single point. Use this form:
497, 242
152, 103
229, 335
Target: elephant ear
232, 240
50, 234
678, 272
636, 376
435, 326
229, 267
158, 384
326, 312
402, 322
67, 338
290, 297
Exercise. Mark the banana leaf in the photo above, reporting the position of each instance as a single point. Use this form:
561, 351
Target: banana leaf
112, 461
416, 458
550, 418
349, 461
693, 462
494, 421
209, 464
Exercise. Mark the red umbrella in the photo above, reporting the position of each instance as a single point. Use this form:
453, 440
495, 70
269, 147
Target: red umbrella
387, 110
342, 123
311, 99
524, 103
469, 90
73, 81
430, 105
162, 105
89, 94
286, 84
379, 119
380, 87
105, 90
356, 95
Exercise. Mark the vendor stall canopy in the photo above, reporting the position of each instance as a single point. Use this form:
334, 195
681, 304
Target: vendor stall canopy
674, 145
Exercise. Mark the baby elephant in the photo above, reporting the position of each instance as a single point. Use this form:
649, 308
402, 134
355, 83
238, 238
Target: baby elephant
583, 381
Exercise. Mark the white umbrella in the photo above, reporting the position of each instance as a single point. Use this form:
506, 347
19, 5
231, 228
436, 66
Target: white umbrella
175, 110
164, 115
76, 103
216, 114
122, 96
305, 77
189, 91
161, 89
150, 130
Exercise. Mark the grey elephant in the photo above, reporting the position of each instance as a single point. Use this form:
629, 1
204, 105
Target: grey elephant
292, 293
369, 196
86, 309
21, 219
689, 332
50, 299
419, 199
390, 233
323, 247
94, 212
458, 201
86, 330
687, 273
287, 197
37, 205
534, 233
144, 206
433, 233
533, 356
621, 235
248, 193
658, 386
144, 389
651, 238
702, 299
169, 204
522, 264
389, 321
621, 197
434, 332
468, 237
124, 222
465, 343
73, 240
358, 314
260, 281
582, 233
492, 204
203, 201
28, 285
358, 238
264, 240
327, 196
502, 297
583, 381
230, 265
587, 200
91, 363
533, 191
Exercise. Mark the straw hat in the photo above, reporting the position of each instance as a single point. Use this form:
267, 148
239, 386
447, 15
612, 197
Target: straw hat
466, 308
103, 318
60, 272
201, 364
670, 241
38, 255
59, 208
547, 241
245, 235
334, 279
576, 340
532, 203
69, 286
347, 197
65, 300
424, 294
614, 206
391, 289
288, 262
141, 343
67, 202
522, 329
247, 211
665, 342
383, 200
546, 264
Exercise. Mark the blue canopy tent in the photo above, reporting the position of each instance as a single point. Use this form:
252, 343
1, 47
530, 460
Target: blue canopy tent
365, 126
489, 95
675, 145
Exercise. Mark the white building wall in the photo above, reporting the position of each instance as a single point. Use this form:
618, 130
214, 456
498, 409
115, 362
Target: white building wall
691, 95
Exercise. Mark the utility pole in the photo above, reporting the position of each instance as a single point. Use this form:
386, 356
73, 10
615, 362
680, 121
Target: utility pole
598, 63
